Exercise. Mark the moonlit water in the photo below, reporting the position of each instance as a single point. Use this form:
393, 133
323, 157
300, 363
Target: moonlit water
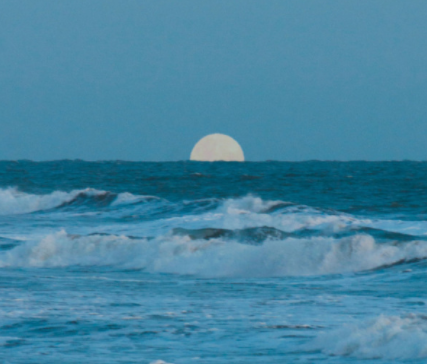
116, 262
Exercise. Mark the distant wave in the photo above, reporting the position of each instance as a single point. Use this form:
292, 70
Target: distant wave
385, 337
13, 201
216, 257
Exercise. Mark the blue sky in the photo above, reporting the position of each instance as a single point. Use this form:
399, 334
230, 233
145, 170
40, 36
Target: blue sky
144, 80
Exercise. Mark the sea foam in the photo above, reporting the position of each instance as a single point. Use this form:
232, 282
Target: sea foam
386, 337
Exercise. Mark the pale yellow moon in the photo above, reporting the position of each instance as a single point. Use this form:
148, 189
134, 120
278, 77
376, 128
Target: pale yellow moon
217, 147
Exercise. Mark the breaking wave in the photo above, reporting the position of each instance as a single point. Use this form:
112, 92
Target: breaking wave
386, 337
216, 257
13, 201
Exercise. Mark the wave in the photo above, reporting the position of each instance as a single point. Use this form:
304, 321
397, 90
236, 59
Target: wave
386, 337
13, 201
216, 257
248, 218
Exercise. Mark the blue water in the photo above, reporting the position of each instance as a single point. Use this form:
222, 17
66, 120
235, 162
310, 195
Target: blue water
273, 262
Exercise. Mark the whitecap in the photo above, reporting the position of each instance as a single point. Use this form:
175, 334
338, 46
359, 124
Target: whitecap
385, 337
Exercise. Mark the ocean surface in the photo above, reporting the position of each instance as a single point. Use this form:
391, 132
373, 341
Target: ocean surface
186, 262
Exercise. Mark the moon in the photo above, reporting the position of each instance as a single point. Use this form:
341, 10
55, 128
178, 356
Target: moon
217, 147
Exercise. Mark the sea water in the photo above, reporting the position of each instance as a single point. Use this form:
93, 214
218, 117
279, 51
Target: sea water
273, 262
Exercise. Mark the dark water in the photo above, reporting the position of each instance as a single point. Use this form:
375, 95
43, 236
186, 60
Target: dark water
273, 262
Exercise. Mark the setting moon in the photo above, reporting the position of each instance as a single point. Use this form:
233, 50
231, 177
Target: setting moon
217, 147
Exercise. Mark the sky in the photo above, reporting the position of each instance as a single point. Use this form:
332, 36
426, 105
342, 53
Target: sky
145, 80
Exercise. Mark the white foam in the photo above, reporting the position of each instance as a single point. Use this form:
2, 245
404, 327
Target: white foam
216, 257
125, 198
386, 337
248, 204
13, 201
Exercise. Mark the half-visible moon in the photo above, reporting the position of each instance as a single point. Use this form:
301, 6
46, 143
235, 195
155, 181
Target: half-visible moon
217, 147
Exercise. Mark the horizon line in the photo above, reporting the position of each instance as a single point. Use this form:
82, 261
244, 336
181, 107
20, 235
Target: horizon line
210, 162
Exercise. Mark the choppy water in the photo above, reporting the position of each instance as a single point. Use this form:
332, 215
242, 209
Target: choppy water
116, 262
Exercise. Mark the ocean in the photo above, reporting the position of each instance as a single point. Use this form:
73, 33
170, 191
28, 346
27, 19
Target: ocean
187, 262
